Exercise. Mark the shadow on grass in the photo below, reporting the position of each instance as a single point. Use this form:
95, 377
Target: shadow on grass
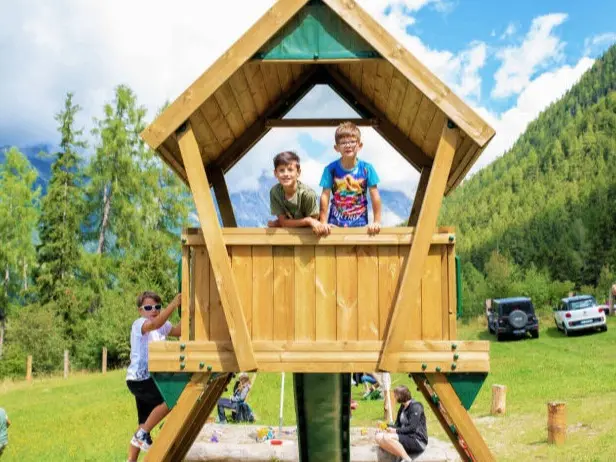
539, 442
553, 332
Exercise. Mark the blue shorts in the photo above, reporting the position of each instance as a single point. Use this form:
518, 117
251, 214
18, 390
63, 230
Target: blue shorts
368, 379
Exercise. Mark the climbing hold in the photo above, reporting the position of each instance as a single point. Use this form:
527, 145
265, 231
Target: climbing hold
435, 399
182, 346
451, 238
438, 368
209, 368
201, 365
424, 366
453, 429
456, 356
316, 56
182, 357
454, 346
182, 365
453, 366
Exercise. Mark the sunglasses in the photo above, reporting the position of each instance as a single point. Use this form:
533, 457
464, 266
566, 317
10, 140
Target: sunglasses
151, 307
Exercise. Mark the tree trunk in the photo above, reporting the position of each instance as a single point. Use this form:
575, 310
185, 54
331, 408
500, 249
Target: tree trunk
105, 221
25, 266
1, 336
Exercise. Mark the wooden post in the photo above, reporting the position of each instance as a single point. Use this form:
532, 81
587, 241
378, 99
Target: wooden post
388, 406
104, 367
29, 369
66, 364
557, 422
499, 399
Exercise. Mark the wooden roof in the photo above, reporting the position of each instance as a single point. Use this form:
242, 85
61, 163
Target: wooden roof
237, 100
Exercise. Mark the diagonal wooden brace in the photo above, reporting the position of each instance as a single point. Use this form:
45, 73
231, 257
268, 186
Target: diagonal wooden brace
219, 258
410, 280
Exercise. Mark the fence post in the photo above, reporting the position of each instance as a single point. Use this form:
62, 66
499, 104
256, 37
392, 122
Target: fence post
499, 399
66, 364
104, 360
29, 369
557, 422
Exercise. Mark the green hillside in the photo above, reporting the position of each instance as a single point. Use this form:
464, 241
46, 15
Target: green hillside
551, 200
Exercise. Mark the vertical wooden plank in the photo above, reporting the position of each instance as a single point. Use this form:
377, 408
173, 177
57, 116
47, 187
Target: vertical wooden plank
431, 322
262, 293
217, 122
434, 133
396, 96
453, 300
383, 85
29, 369
104, 361
325, 279
202, 293
218, 325
389, 270
270, 77
305, 292
427, 110
241, 92
444, 282
356, 73
368, 321
284, 293
191, 310
185, 320
284, 76
419, 196
415, 307
241, 261
66, 364
210, 147
230, 110
346, 293
368, 77
410, 106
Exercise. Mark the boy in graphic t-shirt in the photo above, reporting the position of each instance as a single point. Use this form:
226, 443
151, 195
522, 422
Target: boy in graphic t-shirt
152, 326
350, 180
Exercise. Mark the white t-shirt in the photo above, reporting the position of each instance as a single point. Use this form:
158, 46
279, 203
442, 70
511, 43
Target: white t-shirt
138, 368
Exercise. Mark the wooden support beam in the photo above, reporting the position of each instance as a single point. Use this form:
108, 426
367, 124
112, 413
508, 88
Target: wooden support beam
358, 101
187, 418
219, 259
424, 387
459, 417
311, 123
259, 128
410, 280
223, 198
419, 196
320, 356
180, 110
305, 237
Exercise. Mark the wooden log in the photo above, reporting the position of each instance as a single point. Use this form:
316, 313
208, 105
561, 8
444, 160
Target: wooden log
557, 422
104, 365
29, 369
499, 400
66, 364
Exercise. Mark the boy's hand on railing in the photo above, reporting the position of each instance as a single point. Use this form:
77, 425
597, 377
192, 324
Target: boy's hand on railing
374, 228
177, 301
273, 223
318, 228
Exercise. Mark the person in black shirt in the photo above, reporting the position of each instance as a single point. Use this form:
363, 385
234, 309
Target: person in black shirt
410, 434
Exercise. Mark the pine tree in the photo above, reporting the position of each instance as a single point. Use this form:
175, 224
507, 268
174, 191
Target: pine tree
18, 217
59, 226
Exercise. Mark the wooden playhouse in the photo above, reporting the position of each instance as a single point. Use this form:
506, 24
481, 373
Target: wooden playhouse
285, 300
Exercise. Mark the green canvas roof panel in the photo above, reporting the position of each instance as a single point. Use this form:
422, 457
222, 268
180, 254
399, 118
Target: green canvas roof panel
316, 32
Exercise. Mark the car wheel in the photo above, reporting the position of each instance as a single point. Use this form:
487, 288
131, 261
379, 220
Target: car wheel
500, 337
556, 324
604, 328
566, 331
534, 333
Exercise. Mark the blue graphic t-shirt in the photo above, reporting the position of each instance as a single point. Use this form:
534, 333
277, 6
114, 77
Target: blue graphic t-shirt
349, 203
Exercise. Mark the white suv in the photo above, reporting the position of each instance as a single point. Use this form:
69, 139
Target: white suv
579, 313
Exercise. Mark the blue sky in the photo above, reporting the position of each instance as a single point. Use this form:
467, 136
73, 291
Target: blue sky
508, 60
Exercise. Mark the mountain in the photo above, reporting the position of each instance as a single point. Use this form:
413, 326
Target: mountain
37, 155
252, 207
550, 200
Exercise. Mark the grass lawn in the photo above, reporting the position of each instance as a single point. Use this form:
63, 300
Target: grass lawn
90, 417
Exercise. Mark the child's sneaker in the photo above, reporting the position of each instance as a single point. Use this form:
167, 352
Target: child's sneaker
141, 440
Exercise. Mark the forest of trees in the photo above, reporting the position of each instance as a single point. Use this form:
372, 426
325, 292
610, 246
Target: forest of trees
545, 213
72, 261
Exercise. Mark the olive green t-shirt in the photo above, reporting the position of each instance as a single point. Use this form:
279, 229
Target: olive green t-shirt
4, 435
303, 204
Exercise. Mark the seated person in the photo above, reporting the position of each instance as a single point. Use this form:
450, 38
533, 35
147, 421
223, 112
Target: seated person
372, 385
410, 434
240, 391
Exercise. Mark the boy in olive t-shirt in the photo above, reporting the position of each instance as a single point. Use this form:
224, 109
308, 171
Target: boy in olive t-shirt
293, 203
4, 434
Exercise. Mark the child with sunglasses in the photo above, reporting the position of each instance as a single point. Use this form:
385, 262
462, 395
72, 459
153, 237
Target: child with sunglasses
152, 326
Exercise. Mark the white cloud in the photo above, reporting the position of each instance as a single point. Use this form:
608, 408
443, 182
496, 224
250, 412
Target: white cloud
539, 49
509, 31
536, 96
599, 43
